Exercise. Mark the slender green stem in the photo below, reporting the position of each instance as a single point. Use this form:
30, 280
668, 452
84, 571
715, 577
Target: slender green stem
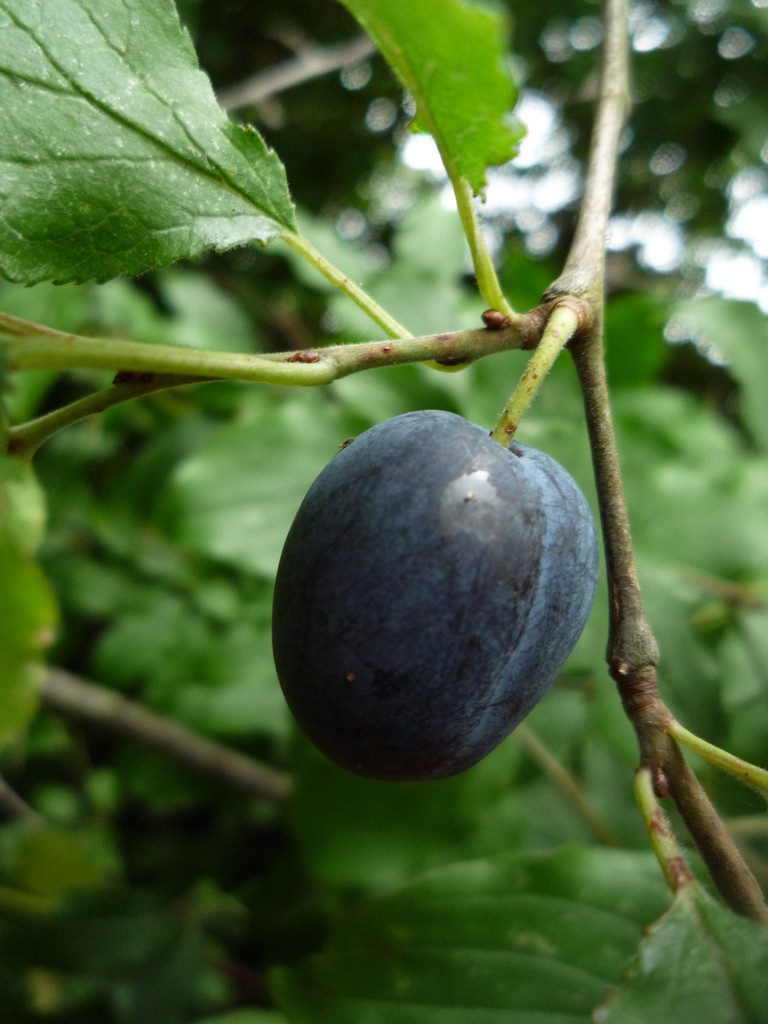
485, 272
724, 860
31, 346
358, 295
561, 326
158, 367
24, 439
744, 771
663, 840
63, 351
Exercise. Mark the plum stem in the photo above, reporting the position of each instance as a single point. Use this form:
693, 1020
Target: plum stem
564, 321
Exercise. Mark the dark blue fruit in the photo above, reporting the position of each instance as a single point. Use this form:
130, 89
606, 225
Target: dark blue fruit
432, 585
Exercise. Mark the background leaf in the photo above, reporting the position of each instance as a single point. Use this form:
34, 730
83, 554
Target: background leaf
177, 897
223, 501
737, 333
117, 949
27, 614
451, 57
482, 942
254, 1016
115, 156
699, 961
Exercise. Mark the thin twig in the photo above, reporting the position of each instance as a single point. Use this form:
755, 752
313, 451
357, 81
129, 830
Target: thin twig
631, 643
25, 439
584, 269
14, 806
751, 596
632, 651
567, 783
73, 697
725, 862
145, 369
310, 62
31, 346
632, 654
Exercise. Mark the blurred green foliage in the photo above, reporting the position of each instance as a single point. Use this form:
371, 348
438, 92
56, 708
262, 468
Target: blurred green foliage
156, 896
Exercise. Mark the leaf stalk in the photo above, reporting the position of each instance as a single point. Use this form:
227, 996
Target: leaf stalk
339, 279
749, 774
487, 280
663, 840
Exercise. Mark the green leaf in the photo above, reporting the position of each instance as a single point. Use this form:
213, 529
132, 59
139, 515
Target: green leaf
361, 832
532, 938
234, 500
451, 56
27, 612
115, 156
738, 333
685, 464
699, 962
26, 615
149, 960
22, 505
52, 862
634, 330
245, 1016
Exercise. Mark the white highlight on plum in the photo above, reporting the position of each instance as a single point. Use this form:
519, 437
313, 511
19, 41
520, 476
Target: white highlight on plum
468, 505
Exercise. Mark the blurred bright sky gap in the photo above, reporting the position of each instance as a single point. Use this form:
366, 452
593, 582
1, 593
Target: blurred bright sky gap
543, 179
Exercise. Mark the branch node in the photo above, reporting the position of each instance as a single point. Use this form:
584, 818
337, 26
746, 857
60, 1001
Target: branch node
660, 781
494, 320
533, 326
639, 692
586, 313
306, 355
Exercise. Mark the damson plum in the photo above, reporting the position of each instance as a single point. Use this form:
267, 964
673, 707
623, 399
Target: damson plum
431, 586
